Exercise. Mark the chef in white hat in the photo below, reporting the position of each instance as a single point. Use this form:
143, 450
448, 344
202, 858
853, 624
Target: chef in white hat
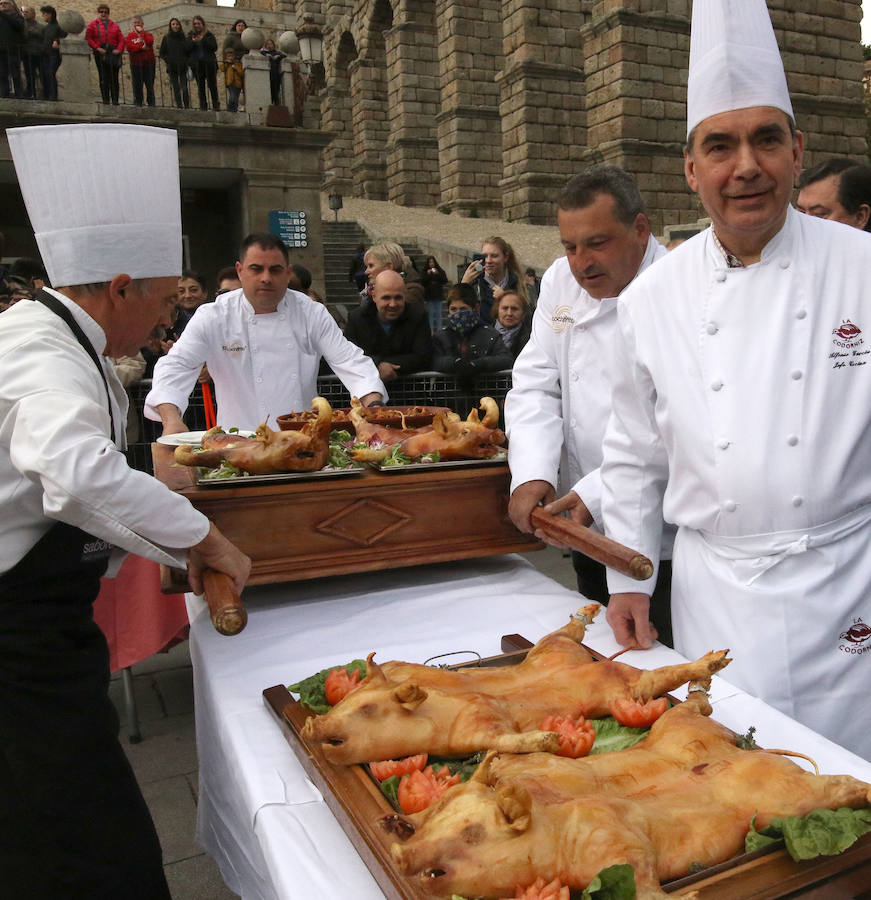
72, 819
742, 405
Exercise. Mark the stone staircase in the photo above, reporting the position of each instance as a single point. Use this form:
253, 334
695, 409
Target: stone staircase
341, 240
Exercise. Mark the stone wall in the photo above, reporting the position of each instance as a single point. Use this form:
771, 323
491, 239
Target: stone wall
487, 108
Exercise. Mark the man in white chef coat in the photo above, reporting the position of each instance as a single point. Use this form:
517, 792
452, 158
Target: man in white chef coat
73, 823
558, 407
742, 404
262, 344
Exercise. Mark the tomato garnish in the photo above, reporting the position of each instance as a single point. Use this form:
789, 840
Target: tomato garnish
339, 684
576, 737
420, 789
538, 890
389, 767
634, 714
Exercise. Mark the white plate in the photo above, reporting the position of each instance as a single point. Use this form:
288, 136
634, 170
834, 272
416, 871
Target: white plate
193, 438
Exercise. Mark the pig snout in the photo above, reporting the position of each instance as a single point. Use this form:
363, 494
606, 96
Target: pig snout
415, 861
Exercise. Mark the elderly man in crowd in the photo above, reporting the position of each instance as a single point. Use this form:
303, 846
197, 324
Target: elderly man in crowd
262, 345
394, 333
837, 189
742, 404
72, 819
558, 407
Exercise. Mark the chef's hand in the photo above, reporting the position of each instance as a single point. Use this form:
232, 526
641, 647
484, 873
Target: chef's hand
216, 552
372, 397
171, 418
576, 507
523, 501
204, 377
629, 618
577, 510
388, 371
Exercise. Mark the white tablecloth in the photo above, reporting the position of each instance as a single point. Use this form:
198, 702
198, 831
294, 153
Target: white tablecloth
259, 816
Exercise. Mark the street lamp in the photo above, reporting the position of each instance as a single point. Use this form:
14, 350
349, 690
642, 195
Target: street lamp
336, 204
311, 41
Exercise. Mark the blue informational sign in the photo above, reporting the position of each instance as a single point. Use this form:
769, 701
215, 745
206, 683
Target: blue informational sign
290, 226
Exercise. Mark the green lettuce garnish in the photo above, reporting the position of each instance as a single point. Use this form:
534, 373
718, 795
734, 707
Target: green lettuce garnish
390, 789
613, 883
611, 736
311, 690
225, 470
823, 832
396, 457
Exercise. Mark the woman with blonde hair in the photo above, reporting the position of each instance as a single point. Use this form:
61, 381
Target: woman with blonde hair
385, 255
494, 271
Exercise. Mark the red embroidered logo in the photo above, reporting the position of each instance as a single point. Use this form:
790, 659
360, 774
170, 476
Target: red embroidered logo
858, 632
855, 637
847, 335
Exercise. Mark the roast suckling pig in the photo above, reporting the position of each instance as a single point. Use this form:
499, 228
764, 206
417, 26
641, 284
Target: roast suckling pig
686, 795
401, 709
268, 452
449, 436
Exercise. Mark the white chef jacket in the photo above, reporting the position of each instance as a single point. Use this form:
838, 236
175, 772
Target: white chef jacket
561, 394
742, 413
57, 461
263, 365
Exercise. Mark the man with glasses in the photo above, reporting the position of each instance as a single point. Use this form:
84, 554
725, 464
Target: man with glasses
105, 39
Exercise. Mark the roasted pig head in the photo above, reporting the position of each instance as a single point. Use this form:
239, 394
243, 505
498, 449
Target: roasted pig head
268, 452
449, 436
401, 709
686, 795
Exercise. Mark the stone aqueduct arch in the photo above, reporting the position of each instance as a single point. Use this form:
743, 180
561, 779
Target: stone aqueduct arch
488, 107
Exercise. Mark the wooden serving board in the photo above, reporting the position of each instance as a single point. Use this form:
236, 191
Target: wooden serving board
358, 805
311, 529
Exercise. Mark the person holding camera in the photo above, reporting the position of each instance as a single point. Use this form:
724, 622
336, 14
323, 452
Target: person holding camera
105, 39
494, 270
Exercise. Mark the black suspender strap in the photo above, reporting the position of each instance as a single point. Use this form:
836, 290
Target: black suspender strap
60, 310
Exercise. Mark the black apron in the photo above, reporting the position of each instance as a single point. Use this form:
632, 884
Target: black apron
73, 823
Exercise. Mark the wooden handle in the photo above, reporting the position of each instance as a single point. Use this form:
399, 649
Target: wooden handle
592, 544
228, 614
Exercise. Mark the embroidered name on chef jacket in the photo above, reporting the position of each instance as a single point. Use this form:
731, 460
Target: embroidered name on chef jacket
855, 638
562, 319
851, 352
235, 347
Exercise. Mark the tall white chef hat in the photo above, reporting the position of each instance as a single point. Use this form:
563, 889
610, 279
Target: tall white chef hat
734, 60
103, 200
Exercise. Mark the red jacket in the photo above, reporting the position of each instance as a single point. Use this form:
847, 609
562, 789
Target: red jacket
140, 46
96, 34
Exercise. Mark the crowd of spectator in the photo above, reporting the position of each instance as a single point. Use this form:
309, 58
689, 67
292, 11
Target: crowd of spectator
30, 56
30, 52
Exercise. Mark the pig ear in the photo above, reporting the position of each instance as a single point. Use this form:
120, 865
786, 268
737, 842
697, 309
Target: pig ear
473, 417
409, 695
482, 774
373, 671
439, 424
491, 412
516, 805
